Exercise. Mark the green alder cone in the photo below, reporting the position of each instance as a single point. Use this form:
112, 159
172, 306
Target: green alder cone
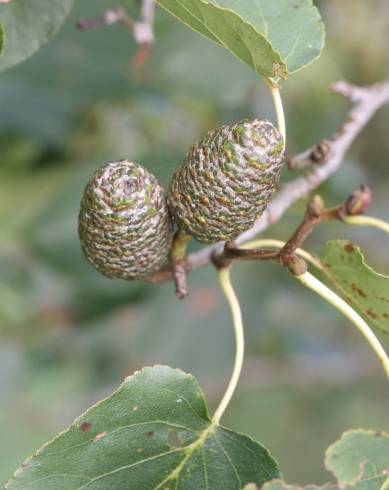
124, 223
227, 180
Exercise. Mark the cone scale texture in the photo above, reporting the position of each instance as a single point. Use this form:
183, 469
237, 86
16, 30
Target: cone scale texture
124, 224
227, 180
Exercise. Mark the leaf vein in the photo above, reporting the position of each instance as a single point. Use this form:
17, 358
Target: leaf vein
229, 461
132, 465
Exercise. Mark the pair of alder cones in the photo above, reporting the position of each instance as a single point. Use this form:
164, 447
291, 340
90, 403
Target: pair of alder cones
127, 221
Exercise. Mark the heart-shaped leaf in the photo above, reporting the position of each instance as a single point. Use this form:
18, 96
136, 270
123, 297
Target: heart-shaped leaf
360, 455
366, 289
274, 37
358, 460
28, 25
152, 433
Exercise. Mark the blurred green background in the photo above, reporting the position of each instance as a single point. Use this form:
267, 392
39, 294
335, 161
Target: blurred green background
68, 336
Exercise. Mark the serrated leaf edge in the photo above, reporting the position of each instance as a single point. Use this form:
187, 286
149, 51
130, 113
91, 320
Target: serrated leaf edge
324, 38
204, 2
330, 276
338, 441
363, 260
282, 63
187, 449
95, 405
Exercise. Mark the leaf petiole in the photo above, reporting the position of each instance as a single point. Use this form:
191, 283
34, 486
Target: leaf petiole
322, 290
229, 293
279, 109
360, 220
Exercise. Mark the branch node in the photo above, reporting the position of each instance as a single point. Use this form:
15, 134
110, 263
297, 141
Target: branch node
295, 264
359, 201
366, 101
221, 260
315, 207
320, 152
142, 31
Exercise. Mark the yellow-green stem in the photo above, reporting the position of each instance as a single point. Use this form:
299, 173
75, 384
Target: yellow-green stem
322, 290
279, 109
229, 293
361, 220
179, 246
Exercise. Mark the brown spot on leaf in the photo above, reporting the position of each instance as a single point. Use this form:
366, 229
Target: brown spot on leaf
85, 427
150, 433
385, 315
382, 298
100, 436
349, 248
173, 439
371, 313
358, 290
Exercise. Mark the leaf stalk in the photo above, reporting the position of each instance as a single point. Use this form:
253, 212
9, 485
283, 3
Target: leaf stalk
229, 293
279, 109
367, 221
322, 290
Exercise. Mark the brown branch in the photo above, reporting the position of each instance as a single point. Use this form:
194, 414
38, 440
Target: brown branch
317, 154
107, 18
366, 101
178, 263
316, 213
142, 31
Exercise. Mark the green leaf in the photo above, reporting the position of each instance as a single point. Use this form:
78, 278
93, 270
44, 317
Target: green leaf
274, 37
358, 460
28, 25
360, 285
152, 433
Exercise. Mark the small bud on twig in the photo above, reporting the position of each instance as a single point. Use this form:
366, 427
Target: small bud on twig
315, 207
359, 201
320, 152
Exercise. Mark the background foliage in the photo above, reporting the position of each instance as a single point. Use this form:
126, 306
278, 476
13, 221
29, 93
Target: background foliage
69, 336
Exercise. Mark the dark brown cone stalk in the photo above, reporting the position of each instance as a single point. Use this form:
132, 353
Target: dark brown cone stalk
124, 224
227, 180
